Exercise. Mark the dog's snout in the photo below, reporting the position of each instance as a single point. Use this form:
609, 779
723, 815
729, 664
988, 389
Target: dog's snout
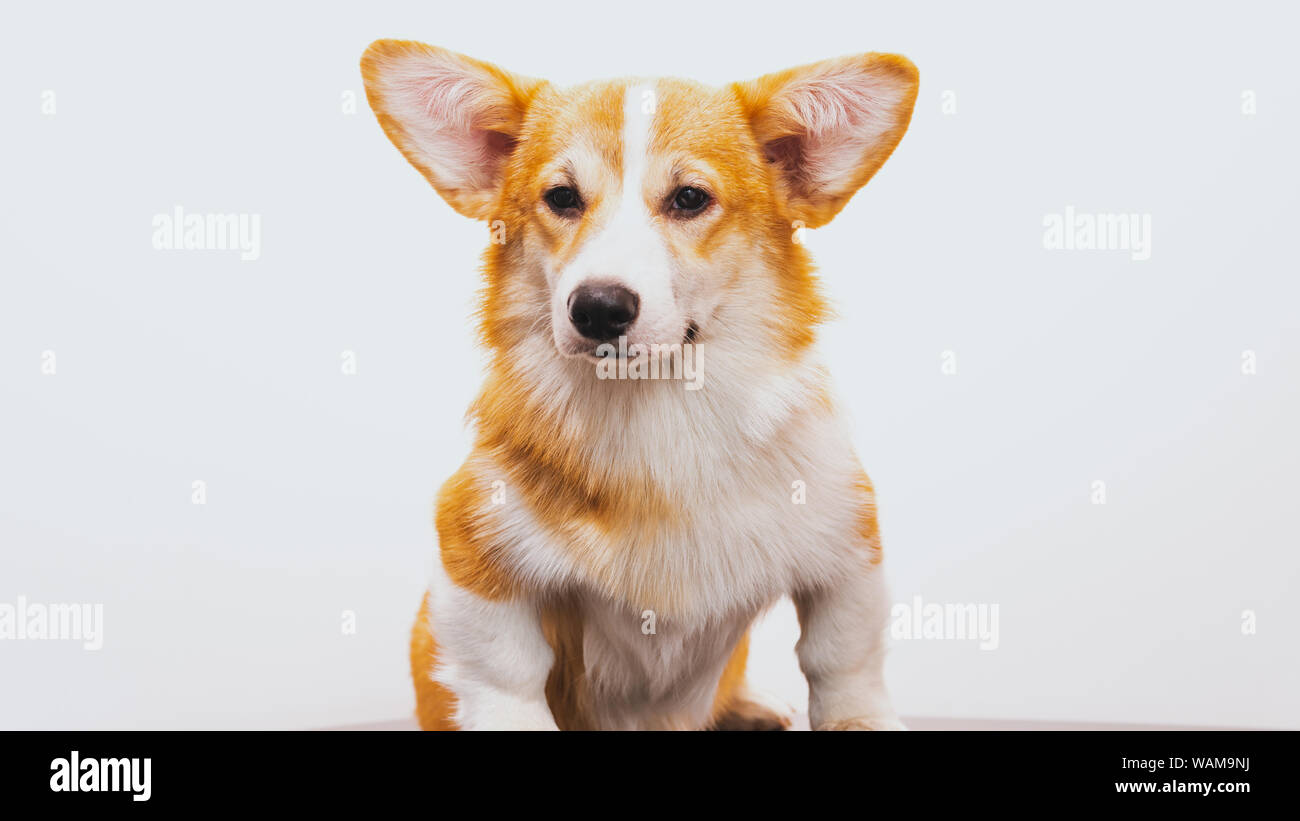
603, 312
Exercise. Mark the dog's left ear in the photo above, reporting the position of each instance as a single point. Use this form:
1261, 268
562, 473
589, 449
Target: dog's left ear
829, 126
456, 119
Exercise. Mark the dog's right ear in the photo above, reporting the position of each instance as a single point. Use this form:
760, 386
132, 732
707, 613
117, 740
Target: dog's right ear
454, 118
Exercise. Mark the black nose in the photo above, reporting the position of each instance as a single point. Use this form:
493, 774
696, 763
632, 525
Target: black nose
603, 311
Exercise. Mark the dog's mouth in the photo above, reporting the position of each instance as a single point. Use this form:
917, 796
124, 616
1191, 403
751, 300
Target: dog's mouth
622, 348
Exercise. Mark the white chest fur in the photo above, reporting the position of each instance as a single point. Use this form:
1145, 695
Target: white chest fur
644, 672
764, 478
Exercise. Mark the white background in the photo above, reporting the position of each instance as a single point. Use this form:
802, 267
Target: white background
1072, 366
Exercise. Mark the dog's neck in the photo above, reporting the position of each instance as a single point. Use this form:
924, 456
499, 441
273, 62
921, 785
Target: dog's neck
538, 405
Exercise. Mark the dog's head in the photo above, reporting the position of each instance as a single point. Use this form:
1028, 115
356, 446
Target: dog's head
661, 210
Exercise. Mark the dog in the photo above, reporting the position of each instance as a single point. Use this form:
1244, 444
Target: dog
608, 543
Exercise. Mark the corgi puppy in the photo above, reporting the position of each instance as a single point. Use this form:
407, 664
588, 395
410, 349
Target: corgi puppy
610, 539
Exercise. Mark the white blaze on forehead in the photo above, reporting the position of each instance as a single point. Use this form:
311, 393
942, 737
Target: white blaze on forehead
642, 259
638, 116
627, 249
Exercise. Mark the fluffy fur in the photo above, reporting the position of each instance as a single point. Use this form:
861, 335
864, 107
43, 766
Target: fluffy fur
592, 509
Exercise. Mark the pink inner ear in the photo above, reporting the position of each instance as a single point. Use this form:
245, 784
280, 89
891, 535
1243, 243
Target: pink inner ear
444, 108
838, 117
447, 97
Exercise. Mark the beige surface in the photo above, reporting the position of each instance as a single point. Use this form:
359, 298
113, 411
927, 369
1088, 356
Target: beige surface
921, 724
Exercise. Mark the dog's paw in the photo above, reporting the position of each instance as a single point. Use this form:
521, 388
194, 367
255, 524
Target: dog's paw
755, 710
863, 723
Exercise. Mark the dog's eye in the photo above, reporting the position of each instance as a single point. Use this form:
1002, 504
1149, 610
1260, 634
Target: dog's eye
690, 200
563, 199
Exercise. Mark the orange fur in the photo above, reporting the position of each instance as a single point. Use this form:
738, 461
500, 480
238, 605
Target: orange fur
434, 704
868, 525
468, 553
732, 681
566, 688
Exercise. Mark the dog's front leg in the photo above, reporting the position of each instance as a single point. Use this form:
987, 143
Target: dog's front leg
842, 649
493, 658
